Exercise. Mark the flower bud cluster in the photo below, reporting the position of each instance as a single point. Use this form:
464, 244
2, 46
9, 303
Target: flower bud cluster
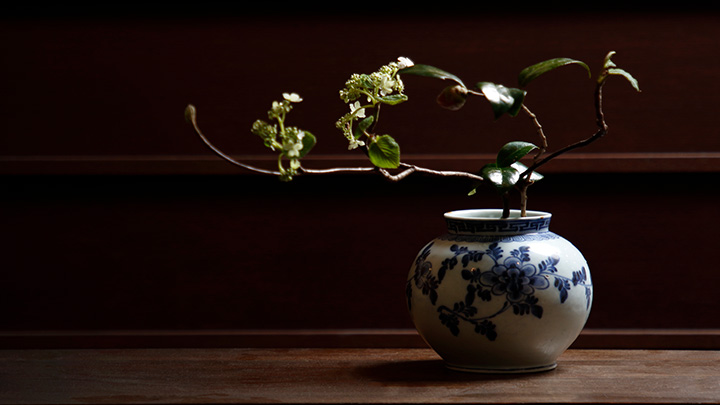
289, 141
374, 88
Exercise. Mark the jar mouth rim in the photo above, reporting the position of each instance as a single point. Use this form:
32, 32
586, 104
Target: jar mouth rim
493, 215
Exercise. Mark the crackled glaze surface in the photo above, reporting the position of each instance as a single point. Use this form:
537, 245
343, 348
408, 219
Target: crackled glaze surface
499, 295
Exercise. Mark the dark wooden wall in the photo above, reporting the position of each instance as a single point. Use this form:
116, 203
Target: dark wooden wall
115, 216
243, 252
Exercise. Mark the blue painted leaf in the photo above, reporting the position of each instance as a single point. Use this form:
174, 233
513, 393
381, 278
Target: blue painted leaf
433, 296
579, 277
470, 296
450, 321
494, 251
562, 286
441, 273
490, 332
537, 311
484, 295
487, 329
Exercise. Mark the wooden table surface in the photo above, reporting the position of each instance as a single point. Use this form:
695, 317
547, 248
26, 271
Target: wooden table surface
346, 375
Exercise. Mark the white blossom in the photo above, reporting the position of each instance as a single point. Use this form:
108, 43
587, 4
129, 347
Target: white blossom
292, 97
404, 62
354, 143
386, 86
356, 107
293, 147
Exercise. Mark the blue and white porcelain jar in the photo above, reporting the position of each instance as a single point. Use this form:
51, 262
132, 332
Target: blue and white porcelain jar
499, 295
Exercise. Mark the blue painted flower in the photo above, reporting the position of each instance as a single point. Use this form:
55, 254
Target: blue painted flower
514, 278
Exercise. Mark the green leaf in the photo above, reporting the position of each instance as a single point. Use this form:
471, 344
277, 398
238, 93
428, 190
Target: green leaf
502, 99
503, 178
362, 126
628, 76
531, 73
452, 97
534, 176
611, 68
511, 152
430, 71
608, 63
308, 142
384, 152
393, 99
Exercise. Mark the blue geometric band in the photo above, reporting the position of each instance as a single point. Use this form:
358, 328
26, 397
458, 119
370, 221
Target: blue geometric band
499, 238
505, 226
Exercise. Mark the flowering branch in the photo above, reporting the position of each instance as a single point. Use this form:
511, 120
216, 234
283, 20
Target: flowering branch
191, 116
385, 87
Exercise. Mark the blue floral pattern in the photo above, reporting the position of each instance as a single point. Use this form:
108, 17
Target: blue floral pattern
513, 279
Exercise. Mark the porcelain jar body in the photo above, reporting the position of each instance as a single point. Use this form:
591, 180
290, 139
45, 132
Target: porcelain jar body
499, 295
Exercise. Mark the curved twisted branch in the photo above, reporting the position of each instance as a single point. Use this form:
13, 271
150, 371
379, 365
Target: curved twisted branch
337, 170
191, 117
602, 130
410, 169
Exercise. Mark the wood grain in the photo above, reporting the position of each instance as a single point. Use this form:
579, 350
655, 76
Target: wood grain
347, 376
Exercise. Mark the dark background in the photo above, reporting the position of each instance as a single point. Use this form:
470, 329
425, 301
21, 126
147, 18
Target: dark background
115, 216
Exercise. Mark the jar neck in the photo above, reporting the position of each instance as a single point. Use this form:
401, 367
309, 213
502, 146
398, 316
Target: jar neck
489, 222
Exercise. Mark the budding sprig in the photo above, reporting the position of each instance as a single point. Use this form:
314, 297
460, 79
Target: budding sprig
291, 142
381, 87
